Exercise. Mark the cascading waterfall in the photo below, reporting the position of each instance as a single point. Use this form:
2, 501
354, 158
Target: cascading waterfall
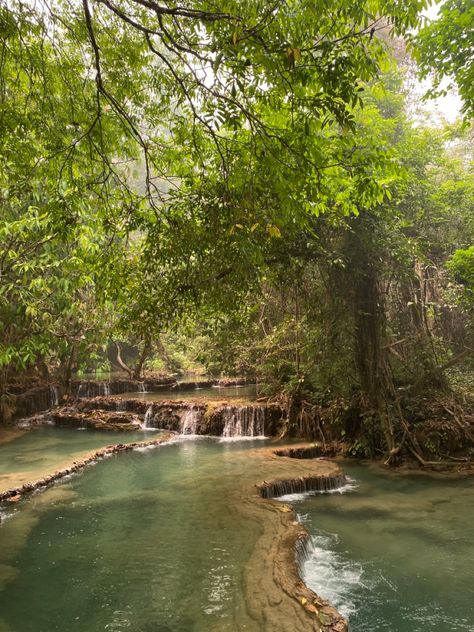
83, 390
54, 395
243, 421
302, 485
148, 417
304, 551
141, 387
189, 421
105, 386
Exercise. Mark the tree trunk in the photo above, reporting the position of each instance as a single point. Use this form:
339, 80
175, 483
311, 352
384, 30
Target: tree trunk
69, 366
137, 371
120, 362
369, 326
164, 355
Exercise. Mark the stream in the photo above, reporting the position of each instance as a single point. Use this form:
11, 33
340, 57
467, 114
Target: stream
396, 553
152, 541
247, 392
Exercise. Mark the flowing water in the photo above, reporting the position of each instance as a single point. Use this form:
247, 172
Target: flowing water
395, 554
189, 422
243, 421
153, 541
146, 541
213, 393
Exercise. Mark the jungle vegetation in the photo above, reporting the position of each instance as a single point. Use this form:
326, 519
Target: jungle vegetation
243, 188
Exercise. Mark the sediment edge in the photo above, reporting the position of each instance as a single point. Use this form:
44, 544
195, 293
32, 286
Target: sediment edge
15, 493
295, 547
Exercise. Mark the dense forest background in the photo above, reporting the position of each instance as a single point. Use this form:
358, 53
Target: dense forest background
245, 189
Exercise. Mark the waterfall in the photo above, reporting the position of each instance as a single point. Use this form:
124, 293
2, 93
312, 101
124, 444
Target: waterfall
304, 551
141, 387
189, 421
303, 485
83, 390
121, 405
105, 387
54, 395
243, 421
148, 417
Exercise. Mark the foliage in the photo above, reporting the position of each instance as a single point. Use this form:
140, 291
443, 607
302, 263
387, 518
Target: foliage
461, 265
58, 208
237, 187
128, 134
445, 50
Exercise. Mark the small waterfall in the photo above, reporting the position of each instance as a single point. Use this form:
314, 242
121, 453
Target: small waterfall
243, 421
148, 417
141, 387
304, 551
121, 405
104, 389
83, 390
53, 395
189, 422
302, 485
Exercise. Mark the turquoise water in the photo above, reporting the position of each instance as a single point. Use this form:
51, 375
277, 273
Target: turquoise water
396, 553
153, 541
43, 450
45, 446
143, 541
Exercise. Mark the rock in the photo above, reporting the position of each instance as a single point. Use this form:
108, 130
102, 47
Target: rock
325, 619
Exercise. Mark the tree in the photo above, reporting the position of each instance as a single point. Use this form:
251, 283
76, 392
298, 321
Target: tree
95, 92
356, 305
58, 228
445, 51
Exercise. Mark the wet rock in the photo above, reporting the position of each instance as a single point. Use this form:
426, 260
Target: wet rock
95, 388
300, 485
96, 419
310, 451
32, 401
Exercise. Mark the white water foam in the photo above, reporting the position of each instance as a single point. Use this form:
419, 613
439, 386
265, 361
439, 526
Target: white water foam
331, 576
243, 422
350, 486
42, 419
148, 418
7, 514
146, 448
241, 438
326, 571
189, 422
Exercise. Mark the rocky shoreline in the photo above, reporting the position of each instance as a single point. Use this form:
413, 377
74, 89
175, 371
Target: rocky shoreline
199, 417
287, 543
